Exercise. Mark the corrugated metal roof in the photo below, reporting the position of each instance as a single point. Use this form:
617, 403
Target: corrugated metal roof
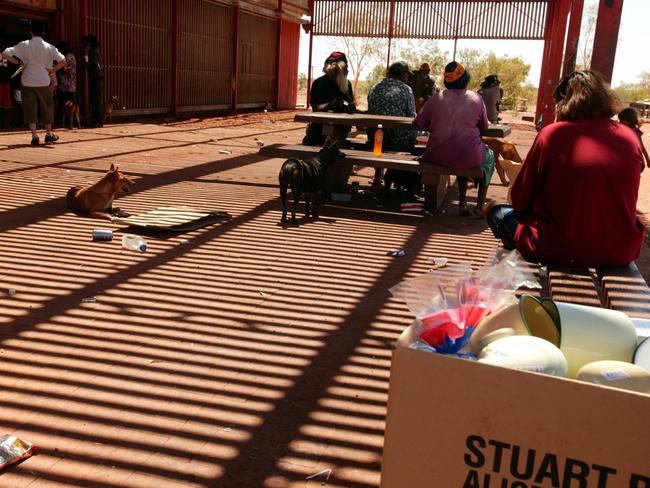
432, 19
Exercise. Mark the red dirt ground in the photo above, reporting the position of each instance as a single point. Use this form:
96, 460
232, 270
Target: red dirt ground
253, 355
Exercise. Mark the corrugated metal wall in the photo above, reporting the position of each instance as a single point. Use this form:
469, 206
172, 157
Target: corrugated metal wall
136, 45
205, 62
135, 42
289, 50
257, 42
434, 19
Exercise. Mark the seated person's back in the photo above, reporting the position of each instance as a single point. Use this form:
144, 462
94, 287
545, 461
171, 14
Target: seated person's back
574, 201
392, 96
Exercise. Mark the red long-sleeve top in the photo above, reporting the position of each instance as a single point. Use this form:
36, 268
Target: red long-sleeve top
580, 183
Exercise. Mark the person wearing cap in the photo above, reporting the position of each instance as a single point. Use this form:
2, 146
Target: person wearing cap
492, 93
95, 80
392, 96
41, 61
455, 118
422, 85
332, 92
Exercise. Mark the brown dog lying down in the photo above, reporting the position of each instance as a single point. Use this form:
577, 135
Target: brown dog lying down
502, 150
96, 201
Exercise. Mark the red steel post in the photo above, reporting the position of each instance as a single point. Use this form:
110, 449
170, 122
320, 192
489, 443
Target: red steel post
606, 37
83, 29
553, 61
573, 37
311, 50
235, 57
391, 21
175, 47
278, 55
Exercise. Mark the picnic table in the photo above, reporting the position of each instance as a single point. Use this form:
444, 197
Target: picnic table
332, 121
336, 126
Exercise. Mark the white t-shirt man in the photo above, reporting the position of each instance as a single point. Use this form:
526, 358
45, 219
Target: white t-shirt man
37, 56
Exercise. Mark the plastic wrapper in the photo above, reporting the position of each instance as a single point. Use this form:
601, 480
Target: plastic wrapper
13, 450
450, 303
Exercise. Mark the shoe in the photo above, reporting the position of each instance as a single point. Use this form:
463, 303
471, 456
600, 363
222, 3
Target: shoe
35, 141
51, 139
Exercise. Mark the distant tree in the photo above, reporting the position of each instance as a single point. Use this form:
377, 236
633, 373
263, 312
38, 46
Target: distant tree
630, 92
302, 82
377, 74
512, 71
587, 31
414, 53
645, 83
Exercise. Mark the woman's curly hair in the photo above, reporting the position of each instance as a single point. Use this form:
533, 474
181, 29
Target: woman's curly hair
585, 95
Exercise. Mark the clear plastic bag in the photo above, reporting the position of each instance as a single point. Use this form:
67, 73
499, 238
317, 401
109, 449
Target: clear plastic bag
451, 302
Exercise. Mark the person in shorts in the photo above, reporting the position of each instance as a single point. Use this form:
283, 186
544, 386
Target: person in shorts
41, 61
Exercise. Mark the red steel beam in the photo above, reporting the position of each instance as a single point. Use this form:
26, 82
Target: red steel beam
278, 55
235, 57
83, 29
573, 37
552, 65
606, 37
175, 47
311, 50
391, 22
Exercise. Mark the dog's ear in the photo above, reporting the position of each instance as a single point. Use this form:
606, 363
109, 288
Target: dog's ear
113, 167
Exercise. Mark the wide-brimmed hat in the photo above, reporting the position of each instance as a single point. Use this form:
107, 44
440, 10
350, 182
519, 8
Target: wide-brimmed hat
492, 80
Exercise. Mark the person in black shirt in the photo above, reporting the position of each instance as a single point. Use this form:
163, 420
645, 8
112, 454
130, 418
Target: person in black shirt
332, 92
95, 80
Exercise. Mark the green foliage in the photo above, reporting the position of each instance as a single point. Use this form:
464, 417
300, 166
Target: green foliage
377, 74
512, 72
302, 82
631, 92
415, 53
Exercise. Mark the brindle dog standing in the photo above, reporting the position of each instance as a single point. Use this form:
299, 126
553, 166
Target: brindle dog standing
96, 201
308, 177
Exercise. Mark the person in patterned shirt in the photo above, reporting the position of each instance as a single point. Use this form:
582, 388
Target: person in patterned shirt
67, 78
392, 96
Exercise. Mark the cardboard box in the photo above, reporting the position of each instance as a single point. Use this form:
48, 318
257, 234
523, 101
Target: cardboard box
454, 423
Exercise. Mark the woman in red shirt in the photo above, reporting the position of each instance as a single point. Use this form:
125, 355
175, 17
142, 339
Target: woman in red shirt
574, 201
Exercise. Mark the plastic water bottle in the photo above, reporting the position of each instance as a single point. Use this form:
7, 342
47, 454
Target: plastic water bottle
379, 141
134, 243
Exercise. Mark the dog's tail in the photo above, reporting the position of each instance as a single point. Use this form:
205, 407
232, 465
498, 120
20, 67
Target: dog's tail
69, 198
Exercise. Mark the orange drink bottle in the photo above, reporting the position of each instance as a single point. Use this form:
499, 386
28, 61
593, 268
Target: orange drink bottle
379, 140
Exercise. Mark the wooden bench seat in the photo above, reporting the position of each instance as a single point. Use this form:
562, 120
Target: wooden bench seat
434, 178
621, 288
618, 288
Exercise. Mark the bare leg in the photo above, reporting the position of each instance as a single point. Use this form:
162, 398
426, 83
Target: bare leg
480, 201
32, 127
462, 194
48, 129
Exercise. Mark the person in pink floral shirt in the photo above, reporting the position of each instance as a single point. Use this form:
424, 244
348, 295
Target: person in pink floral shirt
67, 77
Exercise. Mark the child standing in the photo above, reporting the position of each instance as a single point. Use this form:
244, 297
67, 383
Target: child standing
630, 117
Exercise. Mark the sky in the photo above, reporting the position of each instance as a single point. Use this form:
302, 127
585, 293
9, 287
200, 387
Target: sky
631, 55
